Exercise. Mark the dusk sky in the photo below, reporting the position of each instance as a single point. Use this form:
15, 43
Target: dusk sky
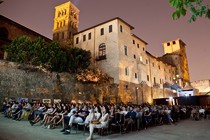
151, 20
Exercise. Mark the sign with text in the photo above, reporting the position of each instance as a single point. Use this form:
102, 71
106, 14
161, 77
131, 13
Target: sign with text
46, 101
56, 101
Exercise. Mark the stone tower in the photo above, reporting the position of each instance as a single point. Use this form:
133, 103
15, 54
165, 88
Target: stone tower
175, 54
66, 22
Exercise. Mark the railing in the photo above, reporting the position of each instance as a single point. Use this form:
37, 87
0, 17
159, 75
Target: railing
98, 58
156, 85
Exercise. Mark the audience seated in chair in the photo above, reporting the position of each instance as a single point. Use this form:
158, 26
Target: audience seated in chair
103, 122
78, 117
129, 118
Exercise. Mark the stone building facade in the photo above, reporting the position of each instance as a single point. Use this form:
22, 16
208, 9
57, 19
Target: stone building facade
203, 86
175, 54
139, 75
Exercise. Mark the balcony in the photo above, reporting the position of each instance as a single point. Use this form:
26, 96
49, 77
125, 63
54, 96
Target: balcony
156, 85
99, 58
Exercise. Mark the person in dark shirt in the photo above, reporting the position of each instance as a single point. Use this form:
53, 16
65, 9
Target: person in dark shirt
78, 117
129, 118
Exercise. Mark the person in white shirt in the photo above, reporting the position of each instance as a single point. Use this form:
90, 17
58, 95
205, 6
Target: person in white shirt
103, 122
66, 118
94, 115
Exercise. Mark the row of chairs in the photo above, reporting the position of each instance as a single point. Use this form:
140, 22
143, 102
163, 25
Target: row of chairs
118, 125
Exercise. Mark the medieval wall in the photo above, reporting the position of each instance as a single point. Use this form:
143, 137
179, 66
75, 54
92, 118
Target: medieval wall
23, 81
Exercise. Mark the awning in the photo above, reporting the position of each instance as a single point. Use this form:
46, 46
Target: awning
175, 87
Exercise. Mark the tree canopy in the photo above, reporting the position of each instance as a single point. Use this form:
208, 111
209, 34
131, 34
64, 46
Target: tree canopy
50, 56
196, 7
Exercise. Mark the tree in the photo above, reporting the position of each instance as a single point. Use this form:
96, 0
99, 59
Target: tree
55, 57
38, 53
196, 7
50, 56
18, 50
78, 59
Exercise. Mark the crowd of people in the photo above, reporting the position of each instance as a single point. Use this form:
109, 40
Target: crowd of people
95, 116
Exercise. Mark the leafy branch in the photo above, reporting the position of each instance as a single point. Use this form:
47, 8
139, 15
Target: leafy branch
196, 7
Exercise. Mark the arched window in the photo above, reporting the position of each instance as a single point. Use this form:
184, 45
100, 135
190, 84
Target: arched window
59, 14
101, 51
4, 33
57, 24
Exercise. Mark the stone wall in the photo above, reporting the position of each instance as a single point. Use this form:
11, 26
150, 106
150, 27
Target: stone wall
23, 81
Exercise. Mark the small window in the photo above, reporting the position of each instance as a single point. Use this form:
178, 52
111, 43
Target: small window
153, 64
147, 77
62, 34
174, 42
141, 58
134, 56
102, 31
154, 80
84, 38
110, 28
77, 40
59, 13
159, 67
133, 41
126, 50
136, 75
146, 61
121, 29
57, 24
137, 45
70, 34
168, 44
126, 71
89, 36
126, 86
143, 49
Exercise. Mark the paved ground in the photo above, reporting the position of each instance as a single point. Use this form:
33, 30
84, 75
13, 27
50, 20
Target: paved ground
185, 130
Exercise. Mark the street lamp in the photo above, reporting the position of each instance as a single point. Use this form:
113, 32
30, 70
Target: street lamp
137, 96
